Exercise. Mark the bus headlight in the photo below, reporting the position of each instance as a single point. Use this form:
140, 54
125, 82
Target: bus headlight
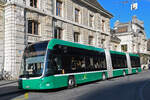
47, 84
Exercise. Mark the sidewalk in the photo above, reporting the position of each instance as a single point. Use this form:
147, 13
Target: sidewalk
6, 82
8, 88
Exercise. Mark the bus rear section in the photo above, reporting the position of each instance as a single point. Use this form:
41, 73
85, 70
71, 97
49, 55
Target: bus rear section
135, 63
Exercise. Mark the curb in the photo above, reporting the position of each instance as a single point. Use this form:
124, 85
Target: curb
11, 93
8, 83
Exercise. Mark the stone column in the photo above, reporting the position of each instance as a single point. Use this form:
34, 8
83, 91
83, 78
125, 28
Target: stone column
14, 39
1, 38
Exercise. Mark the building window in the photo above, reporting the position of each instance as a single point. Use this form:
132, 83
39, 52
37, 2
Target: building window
91, 22
77, 15
122, 29
90, 40
29, 43
76, 37
59, 8
58, 33
103, 25
115, 47
33, 27
103, 43
124, 48
34, 3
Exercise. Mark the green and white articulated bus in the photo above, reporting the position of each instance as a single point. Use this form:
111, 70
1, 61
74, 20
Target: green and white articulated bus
57, 63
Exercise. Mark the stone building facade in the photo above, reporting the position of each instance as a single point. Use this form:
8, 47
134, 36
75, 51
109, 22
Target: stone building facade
28, 21
133, 39
1, 35
132, 36
115, 41
148, 45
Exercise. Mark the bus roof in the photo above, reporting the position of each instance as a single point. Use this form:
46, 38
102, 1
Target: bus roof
116, 52
131, 54
54, 42
123, 53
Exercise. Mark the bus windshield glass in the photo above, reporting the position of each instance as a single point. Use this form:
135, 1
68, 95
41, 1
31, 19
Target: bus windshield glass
33, 60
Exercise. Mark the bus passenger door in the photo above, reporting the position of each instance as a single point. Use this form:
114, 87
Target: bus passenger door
60, 77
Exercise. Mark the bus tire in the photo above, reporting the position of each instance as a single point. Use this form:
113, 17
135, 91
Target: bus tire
71, 82
103, 76
124, 73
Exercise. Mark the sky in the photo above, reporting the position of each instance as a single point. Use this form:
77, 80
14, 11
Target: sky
123, 13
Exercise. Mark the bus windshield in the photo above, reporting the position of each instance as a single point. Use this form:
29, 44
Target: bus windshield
33, 60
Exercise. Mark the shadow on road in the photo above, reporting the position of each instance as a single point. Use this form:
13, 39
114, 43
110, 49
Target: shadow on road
61, 89
125, 91
79, 85
10, 92
120, 91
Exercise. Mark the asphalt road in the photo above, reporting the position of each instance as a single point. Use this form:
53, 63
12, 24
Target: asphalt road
132, 87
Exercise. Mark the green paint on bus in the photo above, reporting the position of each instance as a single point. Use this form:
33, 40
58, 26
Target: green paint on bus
135, 55
61, 80
139, 69
118, 72
119, 53
58, 81
54, 42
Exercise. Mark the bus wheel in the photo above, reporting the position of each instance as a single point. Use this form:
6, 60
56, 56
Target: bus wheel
71, 82
104, 76
124, 73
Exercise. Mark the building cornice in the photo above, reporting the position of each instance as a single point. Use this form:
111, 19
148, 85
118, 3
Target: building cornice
99, 10
122, 34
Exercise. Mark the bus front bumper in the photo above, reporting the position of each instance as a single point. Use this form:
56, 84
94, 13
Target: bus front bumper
36, 84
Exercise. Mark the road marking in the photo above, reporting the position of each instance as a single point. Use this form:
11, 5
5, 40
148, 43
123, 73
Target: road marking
141, 90
26, 96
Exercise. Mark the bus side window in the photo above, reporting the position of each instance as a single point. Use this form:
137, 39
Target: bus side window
87, 63
96, 63
91, 64
102, 61
55, 63
66, 64
83, 65
73, 64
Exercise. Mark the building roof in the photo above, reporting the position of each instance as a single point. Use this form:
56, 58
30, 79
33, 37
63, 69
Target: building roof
96, 4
